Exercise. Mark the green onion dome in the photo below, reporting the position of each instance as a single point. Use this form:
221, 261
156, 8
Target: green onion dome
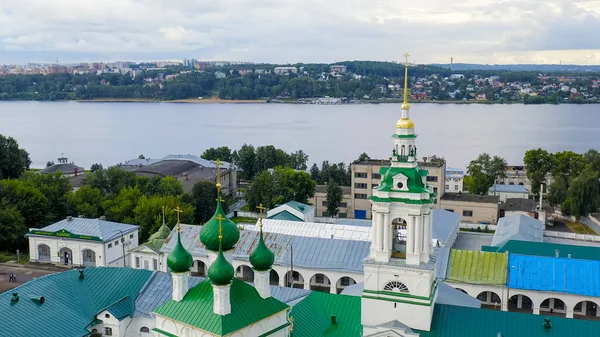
209, 234
221, 271
180, 260
262, 257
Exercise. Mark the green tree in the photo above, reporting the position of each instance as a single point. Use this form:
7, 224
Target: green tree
484, 172
28, 200
96, 167
298, 160
363, 157
315, 173
557, 191
120, 209
283, 185
203, 197
334, 198
245, 159
222, 153
111, 181
538, 164
262, 189
583, 194
55, 187
148, 213
170, 186
592, 157
86, 201
13, 160
268, 157
568, 164
12, 228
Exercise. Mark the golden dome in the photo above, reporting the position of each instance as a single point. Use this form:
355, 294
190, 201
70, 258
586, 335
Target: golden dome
405, 123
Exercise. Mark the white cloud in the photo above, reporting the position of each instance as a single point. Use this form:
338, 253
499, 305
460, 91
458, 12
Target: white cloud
485, 31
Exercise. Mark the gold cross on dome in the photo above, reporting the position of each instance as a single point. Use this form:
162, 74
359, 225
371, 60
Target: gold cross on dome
178, 210
406, 56
220, 218
261, 208
220, 199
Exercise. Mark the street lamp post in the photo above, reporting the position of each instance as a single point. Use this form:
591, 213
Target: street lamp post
18, 253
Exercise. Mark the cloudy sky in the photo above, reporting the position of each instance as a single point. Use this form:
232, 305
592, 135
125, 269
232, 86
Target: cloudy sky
288, 31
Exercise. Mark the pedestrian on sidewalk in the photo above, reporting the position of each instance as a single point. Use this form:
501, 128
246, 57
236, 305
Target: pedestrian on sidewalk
10, 277
14, 277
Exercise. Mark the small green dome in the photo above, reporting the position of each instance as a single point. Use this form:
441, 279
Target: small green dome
221, 271
209, 234
262, 257
180, 260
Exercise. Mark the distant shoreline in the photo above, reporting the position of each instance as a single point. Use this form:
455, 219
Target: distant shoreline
278, 101
189, 100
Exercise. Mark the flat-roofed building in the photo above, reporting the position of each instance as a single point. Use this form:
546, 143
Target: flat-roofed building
345, 210
473, 208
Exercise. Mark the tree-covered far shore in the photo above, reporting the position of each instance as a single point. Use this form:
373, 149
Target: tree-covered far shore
362, 80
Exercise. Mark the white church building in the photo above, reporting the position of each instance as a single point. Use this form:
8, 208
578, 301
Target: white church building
83, 242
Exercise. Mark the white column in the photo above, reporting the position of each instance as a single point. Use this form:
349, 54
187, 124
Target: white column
387, 235
380, 231
374, 235
261, 283
180, 285
519, 302
426, 237
418, 235
222, 302
410, 229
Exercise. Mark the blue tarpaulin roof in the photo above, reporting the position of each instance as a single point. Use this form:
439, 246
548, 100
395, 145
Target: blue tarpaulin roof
572, 276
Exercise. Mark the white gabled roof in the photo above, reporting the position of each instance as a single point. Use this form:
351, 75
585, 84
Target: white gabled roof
314, 230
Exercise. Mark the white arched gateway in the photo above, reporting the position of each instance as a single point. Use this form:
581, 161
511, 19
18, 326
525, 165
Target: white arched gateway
88, 258
44, 253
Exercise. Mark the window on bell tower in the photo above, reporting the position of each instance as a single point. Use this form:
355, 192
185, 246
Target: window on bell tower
396, 286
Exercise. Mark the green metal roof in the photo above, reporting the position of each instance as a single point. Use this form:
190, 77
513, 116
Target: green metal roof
312, 316
196, 308
413, 175
300, 207
156, 240
70, 303
475, 267
547, 249
122, 308
286, 216
455, 321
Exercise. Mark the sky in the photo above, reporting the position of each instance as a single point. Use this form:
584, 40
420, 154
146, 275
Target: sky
290, 31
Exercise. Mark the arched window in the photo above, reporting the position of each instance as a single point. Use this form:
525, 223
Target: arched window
144, 329
396, 286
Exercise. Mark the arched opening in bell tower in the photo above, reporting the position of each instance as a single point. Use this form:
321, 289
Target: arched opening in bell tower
398, 238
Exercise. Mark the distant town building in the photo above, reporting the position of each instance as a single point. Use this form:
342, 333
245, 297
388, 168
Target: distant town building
63, 167
320, 201
509, 191
471, 207
454, 180
285, 70
337, 68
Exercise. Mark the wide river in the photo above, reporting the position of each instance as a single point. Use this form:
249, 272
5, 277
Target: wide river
110, 133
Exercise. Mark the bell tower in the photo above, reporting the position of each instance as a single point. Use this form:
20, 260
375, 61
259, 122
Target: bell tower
399, 275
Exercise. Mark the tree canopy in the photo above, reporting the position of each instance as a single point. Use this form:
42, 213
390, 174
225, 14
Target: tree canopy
281, 186
335, 195
13, 160
484, 172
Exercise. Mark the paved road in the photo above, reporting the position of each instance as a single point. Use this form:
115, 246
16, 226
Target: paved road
24, 274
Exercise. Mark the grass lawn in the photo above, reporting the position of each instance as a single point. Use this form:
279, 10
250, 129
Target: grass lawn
237, 220
5, 257
580, 228
245, 208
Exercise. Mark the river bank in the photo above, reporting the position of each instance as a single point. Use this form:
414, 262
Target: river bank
189, 100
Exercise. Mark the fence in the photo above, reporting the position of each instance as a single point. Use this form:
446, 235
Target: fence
477, 225
572, 236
